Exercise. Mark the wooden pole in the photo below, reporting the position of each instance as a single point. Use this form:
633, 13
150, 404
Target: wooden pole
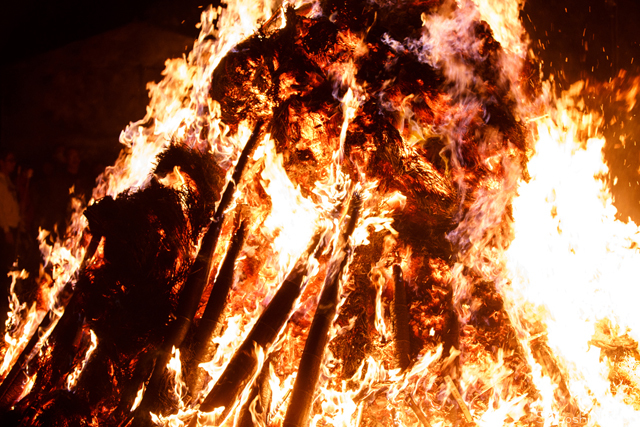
401, 324
242, 366
211, 319
49, 321
299, 408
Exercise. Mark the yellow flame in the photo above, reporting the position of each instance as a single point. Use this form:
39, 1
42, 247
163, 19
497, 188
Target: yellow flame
138, 399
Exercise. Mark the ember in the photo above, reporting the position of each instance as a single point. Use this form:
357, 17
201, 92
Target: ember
344, 212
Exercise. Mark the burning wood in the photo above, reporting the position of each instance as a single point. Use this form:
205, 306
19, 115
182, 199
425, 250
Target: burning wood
256, 409
309, 370
141, 263
427, 106
208, 326
7, 396
210, 323
242, 366
197, 280
419, 413
456, 394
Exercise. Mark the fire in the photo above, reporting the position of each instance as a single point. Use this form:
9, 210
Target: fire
566, 222
440, 248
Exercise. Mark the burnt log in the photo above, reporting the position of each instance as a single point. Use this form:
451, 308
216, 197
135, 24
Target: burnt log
259, 401
9, 387
304, 387
401, 320
17, 377
358, 310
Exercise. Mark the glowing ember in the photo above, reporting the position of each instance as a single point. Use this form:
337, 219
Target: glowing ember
386, 223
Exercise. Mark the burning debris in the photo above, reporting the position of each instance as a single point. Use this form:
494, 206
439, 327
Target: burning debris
324, 238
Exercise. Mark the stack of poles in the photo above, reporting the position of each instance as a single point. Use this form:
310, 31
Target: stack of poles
300, 405
242, 367
190, 296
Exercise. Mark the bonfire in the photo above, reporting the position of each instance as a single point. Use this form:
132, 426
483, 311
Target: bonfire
358, 213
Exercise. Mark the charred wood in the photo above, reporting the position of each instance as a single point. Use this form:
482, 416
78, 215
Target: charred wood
256, 410
7, 394
16, 378
131, 275
401, 317
304, 387
127, 298
358, 311
205, 181
59, 409
451, 338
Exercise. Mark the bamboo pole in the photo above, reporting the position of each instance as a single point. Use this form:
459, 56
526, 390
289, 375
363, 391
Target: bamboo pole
304, 387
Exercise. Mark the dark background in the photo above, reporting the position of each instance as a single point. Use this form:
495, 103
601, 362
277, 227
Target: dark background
74, 73
578, 39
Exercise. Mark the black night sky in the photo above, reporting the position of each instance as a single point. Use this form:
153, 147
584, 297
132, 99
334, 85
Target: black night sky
30, 28
588, 37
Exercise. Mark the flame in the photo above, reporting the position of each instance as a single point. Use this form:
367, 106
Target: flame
572, 263
18, 331
562, 263
174, 112
504, 19
138, 399
293, 217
